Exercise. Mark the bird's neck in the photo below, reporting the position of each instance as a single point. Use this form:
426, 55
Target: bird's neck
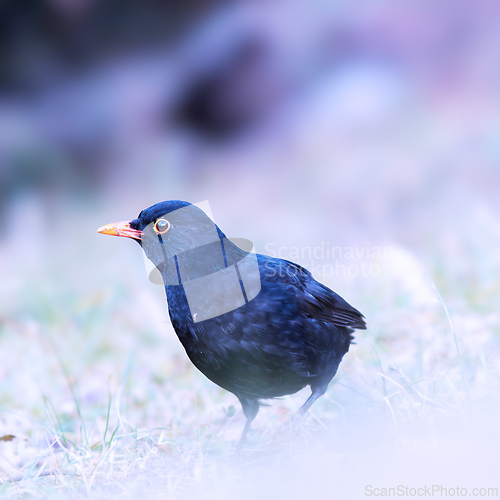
191, 271
200, 261
178, 307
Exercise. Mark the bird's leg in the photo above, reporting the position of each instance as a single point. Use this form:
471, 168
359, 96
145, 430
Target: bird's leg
295, 420
248, 423
316, 393
310, 400
250, 409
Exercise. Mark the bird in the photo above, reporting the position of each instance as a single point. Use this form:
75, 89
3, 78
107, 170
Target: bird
260, 327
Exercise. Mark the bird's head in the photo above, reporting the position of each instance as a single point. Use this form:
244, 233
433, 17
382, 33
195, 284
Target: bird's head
188, 249
167, 229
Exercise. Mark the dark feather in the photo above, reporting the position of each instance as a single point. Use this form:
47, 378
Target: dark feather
293, 333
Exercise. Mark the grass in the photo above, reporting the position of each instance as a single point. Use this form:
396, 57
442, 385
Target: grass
98, 399
102, 402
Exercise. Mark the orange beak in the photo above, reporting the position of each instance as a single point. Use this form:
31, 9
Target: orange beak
121, 229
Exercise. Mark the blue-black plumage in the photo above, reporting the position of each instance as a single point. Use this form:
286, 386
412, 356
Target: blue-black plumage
260, 327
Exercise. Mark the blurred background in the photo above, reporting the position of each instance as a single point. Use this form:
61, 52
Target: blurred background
344, 123
348, 115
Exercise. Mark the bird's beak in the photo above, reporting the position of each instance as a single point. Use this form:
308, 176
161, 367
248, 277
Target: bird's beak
121, 229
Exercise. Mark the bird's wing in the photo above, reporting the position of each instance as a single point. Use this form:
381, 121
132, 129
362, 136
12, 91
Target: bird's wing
314, 299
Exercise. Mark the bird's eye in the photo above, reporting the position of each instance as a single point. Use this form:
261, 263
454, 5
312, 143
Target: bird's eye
162, 226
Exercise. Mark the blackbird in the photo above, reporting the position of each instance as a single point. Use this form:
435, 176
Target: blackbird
257, 326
